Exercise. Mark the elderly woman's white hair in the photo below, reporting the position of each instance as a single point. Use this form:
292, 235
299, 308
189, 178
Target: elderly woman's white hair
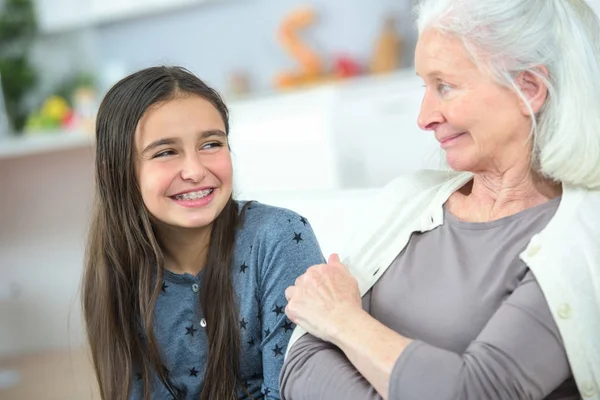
506, 37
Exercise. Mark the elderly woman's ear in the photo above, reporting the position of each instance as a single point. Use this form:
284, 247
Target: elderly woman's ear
534, 89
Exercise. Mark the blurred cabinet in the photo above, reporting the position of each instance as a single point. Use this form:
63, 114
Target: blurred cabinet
376, 131
62, 15
285, 142
355, 134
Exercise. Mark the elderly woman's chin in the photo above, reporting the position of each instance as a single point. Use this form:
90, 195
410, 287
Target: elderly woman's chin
462, 155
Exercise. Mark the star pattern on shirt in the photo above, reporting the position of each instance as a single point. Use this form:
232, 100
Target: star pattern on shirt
164, 287
243, 268
243, 323
278, 310
190, 330
251, 342
288, 326
303, 220
297, 237
267, 391
277, 350
194, 371
267, 332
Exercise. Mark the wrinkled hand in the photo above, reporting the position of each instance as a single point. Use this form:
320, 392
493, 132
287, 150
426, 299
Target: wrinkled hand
324, 299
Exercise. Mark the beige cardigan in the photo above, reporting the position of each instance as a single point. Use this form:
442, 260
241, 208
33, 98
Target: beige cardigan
564, 257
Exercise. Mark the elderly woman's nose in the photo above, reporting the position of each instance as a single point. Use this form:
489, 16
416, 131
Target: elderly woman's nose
429, 115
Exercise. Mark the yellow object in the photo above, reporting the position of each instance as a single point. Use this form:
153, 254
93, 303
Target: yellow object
55, 108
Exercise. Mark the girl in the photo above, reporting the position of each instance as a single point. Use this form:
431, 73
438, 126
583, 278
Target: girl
183, 291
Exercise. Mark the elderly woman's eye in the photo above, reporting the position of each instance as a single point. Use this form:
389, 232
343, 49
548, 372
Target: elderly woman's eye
442, 88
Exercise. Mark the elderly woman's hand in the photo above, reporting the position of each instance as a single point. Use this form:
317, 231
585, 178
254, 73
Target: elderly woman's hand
324, 299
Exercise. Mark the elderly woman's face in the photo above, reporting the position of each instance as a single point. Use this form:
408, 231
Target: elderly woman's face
479, 124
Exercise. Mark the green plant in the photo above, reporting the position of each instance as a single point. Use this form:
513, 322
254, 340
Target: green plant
18, 29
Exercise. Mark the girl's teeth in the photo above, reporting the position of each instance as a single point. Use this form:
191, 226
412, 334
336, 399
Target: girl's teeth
194, 195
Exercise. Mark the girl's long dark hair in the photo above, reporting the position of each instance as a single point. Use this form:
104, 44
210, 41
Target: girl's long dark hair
124, 262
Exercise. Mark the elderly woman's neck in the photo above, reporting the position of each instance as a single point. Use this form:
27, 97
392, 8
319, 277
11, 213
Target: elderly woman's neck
493, 195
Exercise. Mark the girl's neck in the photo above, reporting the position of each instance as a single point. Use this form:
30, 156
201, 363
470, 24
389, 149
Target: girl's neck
185, 250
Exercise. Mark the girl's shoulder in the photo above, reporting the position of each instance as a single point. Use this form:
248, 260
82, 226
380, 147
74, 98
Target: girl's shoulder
274, 227
258, 217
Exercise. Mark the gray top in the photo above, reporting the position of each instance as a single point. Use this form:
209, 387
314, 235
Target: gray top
272, 248
481, 326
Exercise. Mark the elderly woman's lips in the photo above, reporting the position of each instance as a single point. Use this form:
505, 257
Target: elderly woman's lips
448, 140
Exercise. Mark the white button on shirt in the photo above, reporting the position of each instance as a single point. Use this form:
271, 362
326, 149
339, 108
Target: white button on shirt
533, 249
588, 389
564, 311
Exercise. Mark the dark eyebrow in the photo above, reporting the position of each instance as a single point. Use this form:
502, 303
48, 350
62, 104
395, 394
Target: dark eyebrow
172, 141
214, 132
158, 143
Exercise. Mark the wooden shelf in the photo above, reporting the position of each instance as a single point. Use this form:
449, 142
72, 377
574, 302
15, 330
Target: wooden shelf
43, 142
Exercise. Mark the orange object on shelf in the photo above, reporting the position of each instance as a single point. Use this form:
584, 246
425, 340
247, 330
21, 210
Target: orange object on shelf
388, 47
311, 65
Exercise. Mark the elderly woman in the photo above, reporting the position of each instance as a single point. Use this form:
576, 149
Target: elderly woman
483, 282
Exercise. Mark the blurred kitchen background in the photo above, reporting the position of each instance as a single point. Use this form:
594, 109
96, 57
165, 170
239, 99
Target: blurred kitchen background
323, 104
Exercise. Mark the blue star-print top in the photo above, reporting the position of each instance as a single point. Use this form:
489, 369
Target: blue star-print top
273, 247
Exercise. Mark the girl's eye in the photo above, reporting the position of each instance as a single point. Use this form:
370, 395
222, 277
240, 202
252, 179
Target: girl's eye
164, 153
212, 145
